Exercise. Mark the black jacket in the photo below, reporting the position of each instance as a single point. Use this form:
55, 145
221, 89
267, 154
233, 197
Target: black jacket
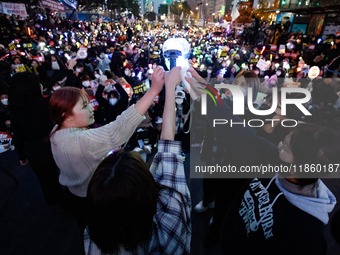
256, 223
112, 111
28, 225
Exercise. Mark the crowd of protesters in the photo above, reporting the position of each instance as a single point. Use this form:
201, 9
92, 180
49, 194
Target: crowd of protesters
82, 99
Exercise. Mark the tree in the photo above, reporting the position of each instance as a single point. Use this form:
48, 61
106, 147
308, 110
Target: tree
177, 8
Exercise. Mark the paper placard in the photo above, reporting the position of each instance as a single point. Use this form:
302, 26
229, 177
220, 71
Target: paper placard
153, 56
156, 100
5, 141
11, 46
314, 72
287, 55
140, 89
311, 47
20, 68
263, 65
94, 103
14, 8
82, 53
293, 55
13, 53
237, 68
282, 49
273, 47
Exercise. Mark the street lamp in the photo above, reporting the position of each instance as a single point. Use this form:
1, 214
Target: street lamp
206, 4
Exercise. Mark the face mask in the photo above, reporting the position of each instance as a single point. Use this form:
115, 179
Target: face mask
209, 71
179, 100
244, 91
56, 88
97, 76
278, 73
86, 83
4, 101
78, 70
224, 64
127, 73
154, 66
113, 101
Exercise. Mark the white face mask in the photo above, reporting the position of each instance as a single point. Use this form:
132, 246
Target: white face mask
86, 83
278, 73
97, 75
209, 71
56, 88
224, 64
4, 101
154, 66
127, 73
78, 70
113, 101
179, 100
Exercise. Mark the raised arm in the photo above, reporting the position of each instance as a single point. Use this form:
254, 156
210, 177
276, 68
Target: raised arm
172, 79
157, 84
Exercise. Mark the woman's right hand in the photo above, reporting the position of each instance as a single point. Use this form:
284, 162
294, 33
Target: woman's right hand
195, 75
157, 79
173, 78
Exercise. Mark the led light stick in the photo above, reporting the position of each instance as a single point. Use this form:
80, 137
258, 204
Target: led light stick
176, 52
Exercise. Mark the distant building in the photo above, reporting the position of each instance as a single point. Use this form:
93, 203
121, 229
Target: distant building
317, 17
148, 6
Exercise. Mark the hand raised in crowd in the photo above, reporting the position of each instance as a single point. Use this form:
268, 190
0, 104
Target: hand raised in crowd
195, 75
158, 79
196, 85
71, 64
108, 82
173, 78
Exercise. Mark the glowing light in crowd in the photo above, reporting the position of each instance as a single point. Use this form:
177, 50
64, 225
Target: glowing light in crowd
263, 49
223, 71
139, 75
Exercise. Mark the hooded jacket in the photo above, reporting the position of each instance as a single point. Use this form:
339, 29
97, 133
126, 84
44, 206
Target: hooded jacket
266, 218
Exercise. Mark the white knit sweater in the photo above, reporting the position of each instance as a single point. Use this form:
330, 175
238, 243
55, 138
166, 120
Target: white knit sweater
78, 151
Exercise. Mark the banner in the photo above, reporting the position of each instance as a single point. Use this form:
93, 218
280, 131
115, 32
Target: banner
5, 141
140, 88
72, 4
12, 8
53, 5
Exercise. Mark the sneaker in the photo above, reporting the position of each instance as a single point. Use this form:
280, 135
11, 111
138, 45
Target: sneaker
200, 208
147, 149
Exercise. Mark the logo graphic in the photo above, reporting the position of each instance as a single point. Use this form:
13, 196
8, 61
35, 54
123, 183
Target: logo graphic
238, 100
213, 90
